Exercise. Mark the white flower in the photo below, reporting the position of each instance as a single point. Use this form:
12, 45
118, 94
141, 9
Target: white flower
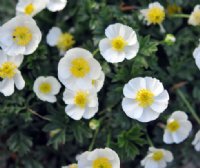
121, 43
46, 88
196, 141
20, 35
196, 55
10, 74
195, 16
98, 83
56, 5
155, 14
157, 158
145, 99
63, 41
30, 7
97, 158
178, 128
71, 166
78, 68
80, 103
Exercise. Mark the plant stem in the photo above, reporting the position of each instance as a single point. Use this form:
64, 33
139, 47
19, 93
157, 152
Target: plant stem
149, 139
180, 15
190, 108
94, 139
108, 140
35, 113
95, 51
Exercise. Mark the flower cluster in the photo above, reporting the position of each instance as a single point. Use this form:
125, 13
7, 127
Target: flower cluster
145, 98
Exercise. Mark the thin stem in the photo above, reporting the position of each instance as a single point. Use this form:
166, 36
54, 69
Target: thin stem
190, 108
149, 139
108, 140
95, 52
35, 113
94, 139
181, 15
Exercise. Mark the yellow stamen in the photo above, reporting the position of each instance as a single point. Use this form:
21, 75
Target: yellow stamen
94, 82
155, 15
173, 126
118, 43
158, 155
29, 9
22, 35
102, 163
80, 67
81, 99
145, 97
65, 41
45, 88
8, 70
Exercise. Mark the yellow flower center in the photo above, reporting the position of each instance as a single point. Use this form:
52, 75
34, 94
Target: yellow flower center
29, 9
118, 43
173, 9
81, 99
196, 16
101, 163
8, 70
158, 155
73, 166
45, 88
22, 35
94, 82
145, 97
65, 41
80, 67
173, 126
155, 15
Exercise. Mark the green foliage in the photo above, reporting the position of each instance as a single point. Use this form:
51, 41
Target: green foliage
36, 134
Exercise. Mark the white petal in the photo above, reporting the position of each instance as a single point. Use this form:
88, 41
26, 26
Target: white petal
54, 83
68, 96
18, 59
112, 56
113, 30
167, 137
3, 57
179, 115
19, 81
56, 5
154, 85
128, 91
90, 112
160, 102
148, 115
104, 45
131, 51
131, 108
74, 112
53, 36
168, 156
7, 87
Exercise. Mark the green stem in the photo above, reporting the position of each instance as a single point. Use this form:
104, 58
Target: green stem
190, 108
108, 140
95, 52
180, 15
40, 116
149, 140
94, 139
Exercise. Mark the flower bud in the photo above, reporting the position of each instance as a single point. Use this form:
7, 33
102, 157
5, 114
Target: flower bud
170, 39
94, 124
